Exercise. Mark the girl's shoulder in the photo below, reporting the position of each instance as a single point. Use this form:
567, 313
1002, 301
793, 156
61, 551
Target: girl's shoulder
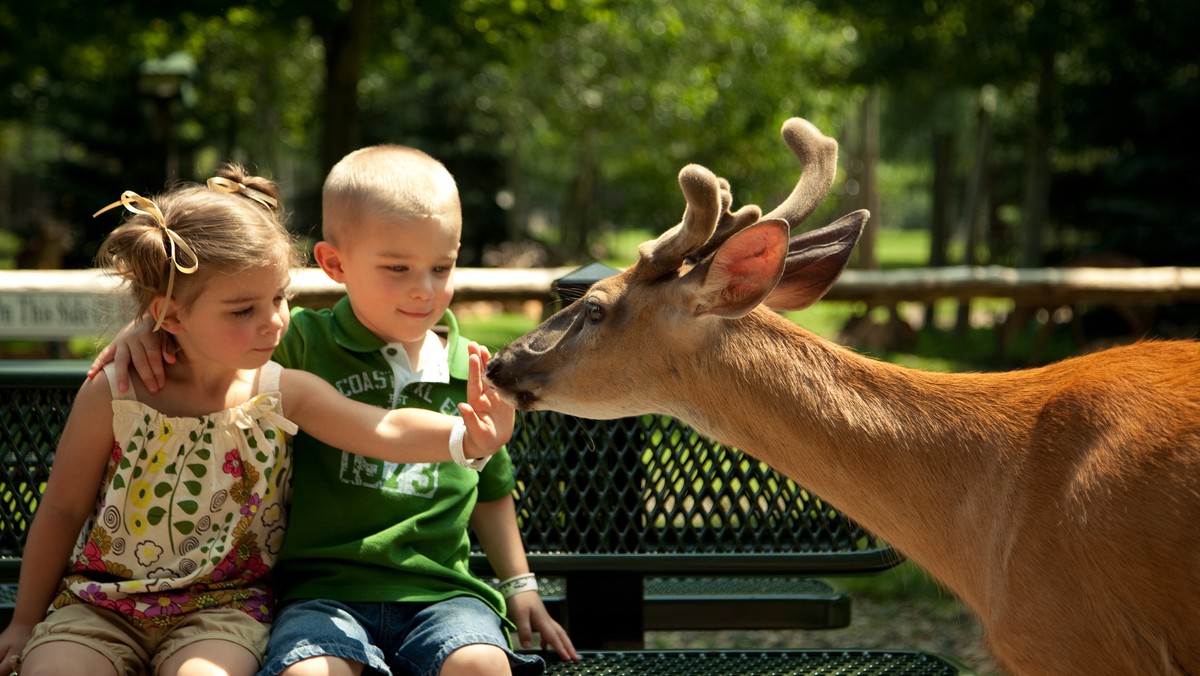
269, 377
99, 390
301, 390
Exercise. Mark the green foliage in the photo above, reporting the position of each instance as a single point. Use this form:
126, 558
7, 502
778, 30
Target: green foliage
578, 115
607, 109
89, 126
1120, 84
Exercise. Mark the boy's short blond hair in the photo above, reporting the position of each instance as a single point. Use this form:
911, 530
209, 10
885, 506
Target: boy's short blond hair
394, 181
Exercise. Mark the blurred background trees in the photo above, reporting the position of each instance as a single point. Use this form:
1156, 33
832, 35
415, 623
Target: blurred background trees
1017, 132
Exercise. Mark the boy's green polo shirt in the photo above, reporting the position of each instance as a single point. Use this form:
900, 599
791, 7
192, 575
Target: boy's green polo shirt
367, 530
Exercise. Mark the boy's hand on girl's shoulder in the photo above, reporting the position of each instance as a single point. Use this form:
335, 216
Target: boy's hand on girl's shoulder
139, 345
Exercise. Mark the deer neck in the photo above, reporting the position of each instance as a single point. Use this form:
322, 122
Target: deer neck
888, 446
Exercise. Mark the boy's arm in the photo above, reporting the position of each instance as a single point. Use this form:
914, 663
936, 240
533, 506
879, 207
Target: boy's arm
495, 526
80, 458
137, 344
404, 435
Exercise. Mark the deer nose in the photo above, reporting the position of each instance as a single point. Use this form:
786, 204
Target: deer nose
494, 369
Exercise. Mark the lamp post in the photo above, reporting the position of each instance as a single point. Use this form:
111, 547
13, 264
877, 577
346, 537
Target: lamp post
165, 81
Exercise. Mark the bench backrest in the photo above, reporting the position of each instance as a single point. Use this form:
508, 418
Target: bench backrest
645, 494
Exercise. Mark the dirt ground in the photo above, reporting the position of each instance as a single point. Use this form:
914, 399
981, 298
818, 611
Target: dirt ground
941, 627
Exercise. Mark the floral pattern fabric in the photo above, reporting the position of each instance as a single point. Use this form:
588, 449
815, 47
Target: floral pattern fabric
191, 512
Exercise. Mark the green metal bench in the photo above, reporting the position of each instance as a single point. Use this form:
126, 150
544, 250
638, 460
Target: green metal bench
632, 525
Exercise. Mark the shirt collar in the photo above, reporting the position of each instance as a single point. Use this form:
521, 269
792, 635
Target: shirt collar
435, 366
350, 334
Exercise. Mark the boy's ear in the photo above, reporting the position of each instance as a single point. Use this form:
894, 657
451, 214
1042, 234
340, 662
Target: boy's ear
169, 312
330, 260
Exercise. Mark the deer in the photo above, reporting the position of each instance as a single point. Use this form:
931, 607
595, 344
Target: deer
1059, 503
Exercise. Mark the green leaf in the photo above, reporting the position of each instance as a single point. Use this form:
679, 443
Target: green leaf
192, 487
184, 527
162, 488
198, 469
155, 515
189, 506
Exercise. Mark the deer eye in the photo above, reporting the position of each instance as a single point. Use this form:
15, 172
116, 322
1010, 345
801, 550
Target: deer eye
593, 312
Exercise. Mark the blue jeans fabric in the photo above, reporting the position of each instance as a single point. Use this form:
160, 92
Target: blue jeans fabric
392, 639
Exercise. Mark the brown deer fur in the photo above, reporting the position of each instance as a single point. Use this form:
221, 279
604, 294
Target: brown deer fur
1061, 504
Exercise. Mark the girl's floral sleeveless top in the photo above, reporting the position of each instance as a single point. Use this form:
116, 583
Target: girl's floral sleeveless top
191, 511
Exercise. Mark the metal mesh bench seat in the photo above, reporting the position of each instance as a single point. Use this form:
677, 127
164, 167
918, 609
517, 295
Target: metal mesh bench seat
760, 662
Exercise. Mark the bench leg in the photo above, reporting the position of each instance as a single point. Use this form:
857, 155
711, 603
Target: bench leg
604, 611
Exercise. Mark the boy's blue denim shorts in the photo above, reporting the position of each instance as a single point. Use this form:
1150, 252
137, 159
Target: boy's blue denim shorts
393, 639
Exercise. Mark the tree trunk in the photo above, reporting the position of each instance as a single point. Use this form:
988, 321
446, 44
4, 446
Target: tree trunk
1037, 173
346, 42
577, 216
868, 156
974, 207
943, 180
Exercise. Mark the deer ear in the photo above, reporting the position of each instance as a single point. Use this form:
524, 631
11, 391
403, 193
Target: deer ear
741, 273
815, 260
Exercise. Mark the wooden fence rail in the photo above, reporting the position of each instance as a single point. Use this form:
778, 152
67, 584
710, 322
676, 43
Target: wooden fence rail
1044, 287
59, 304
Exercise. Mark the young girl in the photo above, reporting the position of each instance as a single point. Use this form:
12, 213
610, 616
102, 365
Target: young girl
168, 508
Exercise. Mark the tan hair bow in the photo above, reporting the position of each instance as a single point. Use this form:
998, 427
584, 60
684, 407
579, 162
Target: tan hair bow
145, 206
226, 185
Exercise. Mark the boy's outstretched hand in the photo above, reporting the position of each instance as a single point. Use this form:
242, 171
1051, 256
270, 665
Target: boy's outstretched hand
488, 418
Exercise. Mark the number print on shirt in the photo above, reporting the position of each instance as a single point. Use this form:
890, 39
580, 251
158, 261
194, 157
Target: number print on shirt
416, 479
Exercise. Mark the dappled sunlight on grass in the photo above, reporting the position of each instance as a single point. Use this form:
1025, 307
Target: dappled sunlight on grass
497, 330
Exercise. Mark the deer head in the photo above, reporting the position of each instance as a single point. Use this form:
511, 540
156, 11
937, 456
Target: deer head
715, 267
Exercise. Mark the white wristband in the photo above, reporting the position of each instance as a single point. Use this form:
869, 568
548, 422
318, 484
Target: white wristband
520, 583
457, 434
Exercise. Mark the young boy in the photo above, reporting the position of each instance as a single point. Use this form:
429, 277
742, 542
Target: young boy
374, 568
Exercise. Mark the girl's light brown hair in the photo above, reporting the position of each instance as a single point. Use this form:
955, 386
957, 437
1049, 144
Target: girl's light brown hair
236, 227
